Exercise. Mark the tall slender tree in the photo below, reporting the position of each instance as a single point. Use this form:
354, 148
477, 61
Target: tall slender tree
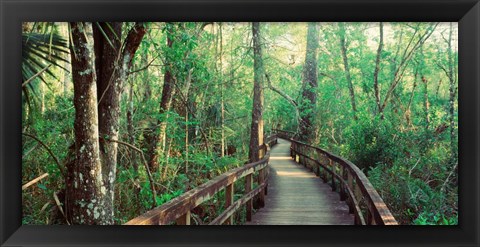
310, 84
256, 130
343, 47
377, 71
158, 145
452, 77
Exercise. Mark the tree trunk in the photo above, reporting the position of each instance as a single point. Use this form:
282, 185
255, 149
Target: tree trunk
426, 104
310, 84
130, 127
408, 112
86, 191
452, 93
112, 64
167, 94
377, 70
221, 91
94, 171
343, 47
108, 95
256, 130
65, 79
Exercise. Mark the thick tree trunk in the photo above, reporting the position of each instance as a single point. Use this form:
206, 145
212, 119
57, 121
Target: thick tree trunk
310, 84
343, 47
86, 191
91, 178
112, 64
108, 93
256, 130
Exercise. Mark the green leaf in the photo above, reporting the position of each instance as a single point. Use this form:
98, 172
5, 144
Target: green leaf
42, 186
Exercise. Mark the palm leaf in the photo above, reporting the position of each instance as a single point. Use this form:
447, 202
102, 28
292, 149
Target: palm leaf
39, 50
105, 35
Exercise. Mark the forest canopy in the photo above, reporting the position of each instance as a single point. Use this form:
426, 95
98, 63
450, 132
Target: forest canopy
123, 117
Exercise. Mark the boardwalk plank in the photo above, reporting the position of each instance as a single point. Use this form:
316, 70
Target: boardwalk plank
297, 197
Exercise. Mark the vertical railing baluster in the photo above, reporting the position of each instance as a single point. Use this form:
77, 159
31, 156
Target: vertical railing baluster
343, 193
228, 201
358, 194
325, 175
261, 180
350, 185
332, 167
267, 171
369, 217
184, 219
248, 188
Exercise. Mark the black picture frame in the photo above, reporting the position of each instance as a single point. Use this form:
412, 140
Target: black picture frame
14, 12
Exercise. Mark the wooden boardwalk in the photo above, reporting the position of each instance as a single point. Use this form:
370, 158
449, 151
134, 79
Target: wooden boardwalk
297, 197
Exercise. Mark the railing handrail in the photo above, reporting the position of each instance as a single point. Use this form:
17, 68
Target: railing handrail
180, 207
375, 204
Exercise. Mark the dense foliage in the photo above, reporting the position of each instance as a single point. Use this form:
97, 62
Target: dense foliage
386, 99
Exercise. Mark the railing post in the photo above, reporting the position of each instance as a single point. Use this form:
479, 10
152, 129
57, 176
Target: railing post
343, 193
228, 201
369, 217
261, 195
350, 185
248, 188
261, 151
184, 219
358, 194
324, 174
292, 150
357, 220
332, 166
266, 179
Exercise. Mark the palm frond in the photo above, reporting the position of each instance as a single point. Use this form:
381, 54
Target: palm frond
40, 50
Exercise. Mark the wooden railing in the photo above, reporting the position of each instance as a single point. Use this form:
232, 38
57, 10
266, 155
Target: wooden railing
346, 178
285, 134
178, 210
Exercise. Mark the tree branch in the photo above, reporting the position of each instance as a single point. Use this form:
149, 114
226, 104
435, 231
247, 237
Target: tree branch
284, 95
34, 181
35, 76
132, 42
287, 97
405, 60
48, 150
143, 68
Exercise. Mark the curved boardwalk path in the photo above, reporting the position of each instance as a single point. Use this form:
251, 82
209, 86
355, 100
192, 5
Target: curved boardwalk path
297, 197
